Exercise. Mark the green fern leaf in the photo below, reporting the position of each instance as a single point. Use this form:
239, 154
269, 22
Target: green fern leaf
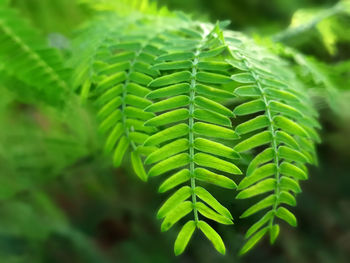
193, 90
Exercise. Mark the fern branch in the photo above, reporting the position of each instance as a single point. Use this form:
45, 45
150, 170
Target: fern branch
192, 95
289, 123
192, 71
272, 129
101, 32
121, 84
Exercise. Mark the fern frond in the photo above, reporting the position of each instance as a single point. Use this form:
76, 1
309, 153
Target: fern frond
281, 127
92, 40
121, 72
192, 123
26, 56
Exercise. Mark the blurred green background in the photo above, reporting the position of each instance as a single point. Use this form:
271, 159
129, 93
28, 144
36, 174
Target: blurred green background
61, 201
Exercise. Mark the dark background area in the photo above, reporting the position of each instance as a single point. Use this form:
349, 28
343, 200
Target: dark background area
84, 210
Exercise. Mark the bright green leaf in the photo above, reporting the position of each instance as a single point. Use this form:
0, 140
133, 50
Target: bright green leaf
287, 216
184, 237
175, 199
214, 237
138, 166
213, 178
207, 160
171, 163
174, 180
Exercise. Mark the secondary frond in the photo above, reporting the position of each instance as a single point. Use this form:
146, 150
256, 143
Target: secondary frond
281, 128
121, 71
92, 40
193, 124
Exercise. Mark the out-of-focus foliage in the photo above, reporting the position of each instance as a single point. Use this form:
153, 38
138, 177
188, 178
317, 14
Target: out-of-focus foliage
329, 23
52, 16
126, 7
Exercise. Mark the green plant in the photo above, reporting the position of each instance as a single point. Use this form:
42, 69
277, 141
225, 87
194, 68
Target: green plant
188, 99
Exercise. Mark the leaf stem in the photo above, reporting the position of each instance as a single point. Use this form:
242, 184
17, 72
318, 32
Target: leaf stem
191, 123
191, 135
273, 133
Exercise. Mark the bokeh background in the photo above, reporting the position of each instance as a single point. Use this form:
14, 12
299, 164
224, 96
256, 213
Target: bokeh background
61, 201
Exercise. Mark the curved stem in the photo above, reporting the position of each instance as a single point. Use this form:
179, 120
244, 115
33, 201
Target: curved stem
126, 129
272, 129
191, 134
191, 142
